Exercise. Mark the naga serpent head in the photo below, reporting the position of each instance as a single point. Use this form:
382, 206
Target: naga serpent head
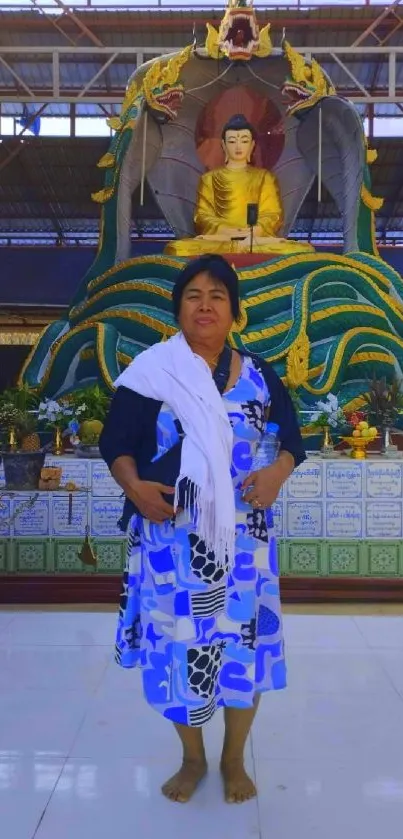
306, 83
162, 88
164, 102
239, 37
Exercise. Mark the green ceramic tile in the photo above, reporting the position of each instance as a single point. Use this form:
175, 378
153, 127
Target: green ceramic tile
50, 560
282, 556
67, 557
343, 558
383, 559
110, 555
305, 557
364, 559
298, 557
30, 556
3, 556
10, 556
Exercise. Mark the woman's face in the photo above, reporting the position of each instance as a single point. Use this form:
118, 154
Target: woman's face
205, 313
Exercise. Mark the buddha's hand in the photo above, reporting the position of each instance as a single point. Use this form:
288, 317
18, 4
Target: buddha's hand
233, 232
262, 488
148, 498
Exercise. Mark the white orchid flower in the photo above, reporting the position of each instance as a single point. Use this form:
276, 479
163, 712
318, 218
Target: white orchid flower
333, 400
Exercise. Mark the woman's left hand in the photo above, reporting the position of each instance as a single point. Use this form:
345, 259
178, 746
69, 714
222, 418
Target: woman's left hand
262, 488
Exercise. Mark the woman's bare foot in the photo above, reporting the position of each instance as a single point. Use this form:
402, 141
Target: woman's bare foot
238, 786
182, 785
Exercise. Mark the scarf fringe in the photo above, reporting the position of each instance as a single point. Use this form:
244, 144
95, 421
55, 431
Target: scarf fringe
218, 539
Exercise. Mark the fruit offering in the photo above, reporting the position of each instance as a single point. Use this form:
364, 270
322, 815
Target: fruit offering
362, 429
360, 436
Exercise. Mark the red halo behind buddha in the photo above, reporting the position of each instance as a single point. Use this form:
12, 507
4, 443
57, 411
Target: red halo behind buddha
258, 110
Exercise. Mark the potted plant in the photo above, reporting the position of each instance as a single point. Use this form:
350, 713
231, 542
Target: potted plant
384, 405
90, 406
327, 414
22, 455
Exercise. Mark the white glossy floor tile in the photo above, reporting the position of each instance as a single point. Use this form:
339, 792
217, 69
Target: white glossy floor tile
117, 797
359, 798
336, 671
381, 631
70, 668
40, 722
323, 631
328, 750
117, 681
5, 620
329, 726
60, 628
392, 663
127, 727
26, 785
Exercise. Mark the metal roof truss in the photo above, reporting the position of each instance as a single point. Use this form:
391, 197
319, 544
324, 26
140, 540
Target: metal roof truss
346, 64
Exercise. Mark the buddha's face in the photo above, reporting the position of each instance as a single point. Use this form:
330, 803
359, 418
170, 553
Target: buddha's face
238, 147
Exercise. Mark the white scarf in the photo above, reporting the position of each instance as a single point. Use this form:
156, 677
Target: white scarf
171, 373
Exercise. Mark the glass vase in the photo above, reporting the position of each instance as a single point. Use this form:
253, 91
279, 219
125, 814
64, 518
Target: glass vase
386, 440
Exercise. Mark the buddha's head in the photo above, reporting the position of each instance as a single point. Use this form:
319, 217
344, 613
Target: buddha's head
238, 141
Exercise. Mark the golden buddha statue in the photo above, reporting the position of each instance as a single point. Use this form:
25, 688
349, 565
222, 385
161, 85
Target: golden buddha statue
222, 198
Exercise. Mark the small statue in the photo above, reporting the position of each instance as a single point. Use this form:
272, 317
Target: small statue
222, 198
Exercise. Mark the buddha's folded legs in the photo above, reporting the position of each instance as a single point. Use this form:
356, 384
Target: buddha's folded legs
215, 244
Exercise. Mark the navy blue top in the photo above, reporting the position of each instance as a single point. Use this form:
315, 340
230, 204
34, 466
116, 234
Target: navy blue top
131, 425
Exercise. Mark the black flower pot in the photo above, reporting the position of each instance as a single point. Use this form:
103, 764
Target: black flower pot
22, 470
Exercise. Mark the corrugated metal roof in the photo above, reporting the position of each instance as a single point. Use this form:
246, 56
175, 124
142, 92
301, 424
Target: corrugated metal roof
47, 187
327, 26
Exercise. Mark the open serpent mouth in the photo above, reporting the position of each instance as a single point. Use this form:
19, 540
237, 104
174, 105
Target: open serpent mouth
294, 94
170, 100
242, 36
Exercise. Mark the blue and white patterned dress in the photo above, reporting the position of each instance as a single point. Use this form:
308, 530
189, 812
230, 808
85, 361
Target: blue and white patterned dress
203, 636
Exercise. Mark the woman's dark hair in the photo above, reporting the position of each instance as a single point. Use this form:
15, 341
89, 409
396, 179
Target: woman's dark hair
219, 269
238, 122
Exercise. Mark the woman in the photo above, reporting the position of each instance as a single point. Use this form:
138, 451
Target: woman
200, 610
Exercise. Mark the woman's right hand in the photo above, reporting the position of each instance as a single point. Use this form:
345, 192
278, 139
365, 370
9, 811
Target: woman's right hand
147, 496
